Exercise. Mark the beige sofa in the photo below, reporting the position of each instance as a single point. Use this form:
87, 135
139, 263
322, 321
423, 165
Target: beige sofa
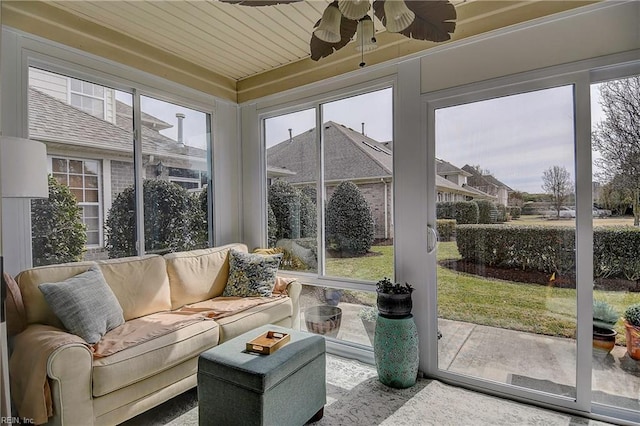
87, 390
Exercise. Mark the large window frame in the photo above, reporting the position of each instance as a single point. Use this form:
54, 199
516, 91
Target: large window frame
316, 103
27, 52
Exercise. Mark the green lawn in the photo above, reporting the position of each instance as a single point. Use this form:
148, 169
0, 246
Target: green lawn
464, 297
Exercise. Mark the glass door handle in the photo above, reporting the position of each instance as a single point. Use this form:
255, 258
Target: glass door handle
432, 239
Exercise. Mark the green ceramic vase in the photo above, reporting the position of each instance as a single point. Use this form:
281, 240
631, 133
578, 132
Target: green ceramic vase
396, 351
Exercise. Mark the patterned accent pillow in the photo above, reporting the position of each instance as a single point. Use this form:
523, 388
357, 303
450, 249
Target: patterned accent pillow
85, 304
251, 274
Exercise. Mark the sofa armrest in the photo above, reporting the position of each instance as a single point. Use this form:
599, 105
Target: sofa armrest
40, 353
293, 290
70, 370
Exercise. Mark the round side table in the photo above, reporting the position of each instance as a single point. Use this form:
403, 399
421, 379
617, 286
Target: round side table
396, 351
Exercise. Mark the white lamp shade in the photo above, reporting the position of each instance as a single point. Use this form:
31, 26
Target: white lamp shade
23, 168
354, 9
329, 28
398, 15
366, 36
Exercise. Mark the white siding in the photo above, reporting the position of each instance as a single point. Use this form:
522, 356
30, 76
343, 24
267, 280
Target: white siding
54, 85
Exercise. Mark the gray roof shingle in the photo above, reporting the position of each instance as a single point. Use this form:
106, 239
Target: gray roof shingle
51, 120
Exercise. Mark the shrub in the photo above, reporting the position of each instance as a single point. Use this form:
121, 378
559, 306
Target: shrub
502, 214
57, 232
462, 211
616, 252
348, 221
172, 219
514, 211
294, 211
546, 249
272, 227
446, 229
487, 211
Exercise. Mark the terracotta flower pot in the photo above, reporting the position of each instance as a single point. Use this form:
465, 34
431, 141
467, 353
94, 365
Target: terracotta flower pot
633, 340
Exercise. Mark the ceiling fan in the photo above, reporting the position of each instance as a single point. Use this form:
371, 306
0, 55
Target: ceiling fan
432, 20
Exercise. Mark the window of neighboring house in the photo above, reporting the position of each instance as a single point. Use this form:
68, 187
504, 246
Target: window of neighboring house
188, 179
88, 97
82, 178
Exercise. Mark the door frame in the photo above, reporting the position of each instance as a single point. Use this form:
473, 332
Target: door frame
581, 75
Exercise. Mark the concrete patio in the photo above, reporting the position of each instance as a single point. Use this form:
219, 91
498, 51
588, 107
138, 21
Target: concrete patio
530, 360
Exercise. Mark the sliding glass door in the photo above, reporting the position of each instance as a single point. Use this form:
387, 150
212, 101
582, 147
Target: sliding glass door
506, 257
534, 193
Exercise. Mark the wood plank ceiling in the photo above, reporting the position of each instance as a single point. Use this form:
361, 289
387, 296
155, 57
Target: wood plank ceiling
235, 51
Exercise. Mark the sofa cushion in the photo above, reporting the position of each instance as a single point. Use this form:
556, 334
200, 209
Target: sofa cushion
268, 313
251, 274
85, 304
151, 357
36, 308
140, 284
198, 275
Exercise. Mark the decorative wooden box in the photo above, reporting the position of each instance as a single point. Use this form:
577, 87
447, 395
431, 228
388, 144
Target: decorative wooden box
267, 343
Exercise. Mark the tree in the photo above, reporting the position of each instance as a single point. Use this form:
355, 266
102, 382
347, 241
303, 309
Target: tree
173, 220
617, 137
348, 221
556, 182
57, 232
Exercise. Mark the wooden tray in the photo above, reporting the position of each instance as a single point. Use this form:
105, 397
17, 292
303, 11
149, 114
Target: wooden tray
269, 342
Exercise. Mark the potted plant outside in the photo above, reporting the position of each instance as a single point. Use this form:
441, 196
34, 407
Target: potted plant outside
632, 327
604, 320
394, 299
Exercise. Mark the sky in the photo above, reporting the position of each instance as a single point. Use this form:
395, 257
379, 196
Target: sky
516, 137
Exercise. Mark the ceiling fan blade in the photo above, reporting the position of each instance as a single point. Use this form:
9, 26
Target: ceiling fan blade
321, 49
435, 19
258, 2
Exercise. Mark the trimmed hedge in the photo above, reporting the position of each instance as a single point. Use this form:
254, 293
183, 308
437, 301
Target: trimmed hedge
462, 211
616, 251
446, 229
487, 211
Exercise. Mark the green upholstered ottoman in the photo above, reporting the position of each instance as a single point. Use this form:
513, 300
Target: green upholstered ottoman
236, 387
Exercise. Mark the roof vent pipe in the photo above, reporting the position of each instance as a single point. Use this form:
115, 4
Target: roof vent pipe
180, 117
290, 135
363, 129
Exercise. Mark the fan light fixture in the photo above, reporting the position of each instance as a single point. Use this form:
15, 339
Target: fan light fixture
329, 27
346, 20
398, 15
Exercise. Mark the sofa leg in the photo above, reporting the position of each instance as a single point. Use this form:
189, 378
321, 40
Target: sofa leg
317, 416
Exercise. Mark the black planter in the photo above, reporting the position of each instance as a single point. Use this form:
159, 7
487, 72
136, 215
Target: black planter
394, 305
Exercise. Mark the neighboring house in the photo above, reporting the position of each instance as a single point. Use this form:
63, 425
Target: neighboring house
451, 184
90, 147
350, 155
488, 184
